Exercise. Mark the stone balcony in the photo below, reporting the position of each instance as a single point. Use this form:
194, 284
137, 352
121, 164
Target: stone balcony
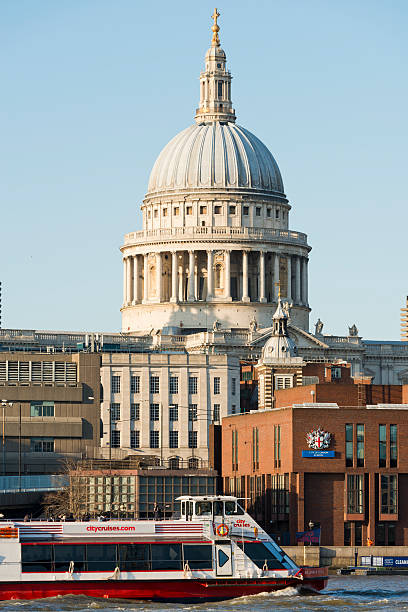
213, 233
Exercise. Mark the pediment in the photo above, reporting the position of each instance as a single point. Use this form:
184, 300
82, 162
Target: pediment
301, 338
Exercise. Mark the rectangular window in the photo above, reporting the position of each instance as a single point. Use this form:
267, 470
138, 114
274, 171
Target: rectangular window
233, 408
393, 446
192, 385
115, 439
41, 445
135, 384
135, 439
154, 385
360, 445
115, 412
216, 413
217, 210
219, 84
176, 211
283, 382
382, 445
154, 439
232, 210
277, 213
133, 557
217, 385
347, 534
255, 448
115, 384
355, 494
192, 439
173, 439
349, 445
192, 412
198, 556
268, 212
36, 558
245, 210
154, 412
101, 557
166, 557
134, 412
156, 213
173, 412
189, 210
164, 212
42, 409
388, 494
258, 211
173, 385
203, 210
233, 386
277, 445
234, 449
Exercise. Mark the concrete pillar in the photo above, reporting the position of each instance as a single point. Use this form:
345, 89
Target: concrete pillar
124, 280
129, 283
298, 293
276, 276
159, 277
191, 271
262, 297
174, 277
210, 276
245, 296
289, 266
136, 274
227, 271
145, 277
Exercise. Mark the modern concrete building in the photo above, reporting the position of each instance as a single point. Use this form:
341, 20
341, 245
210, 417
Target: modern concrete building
50, 410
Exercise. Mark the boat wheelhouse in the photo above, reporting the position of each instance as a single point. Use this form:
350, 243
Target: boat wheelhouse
214, 550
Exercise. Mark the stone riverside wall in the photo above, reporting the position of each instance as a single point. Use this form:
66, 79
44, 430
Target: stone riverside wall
336, 557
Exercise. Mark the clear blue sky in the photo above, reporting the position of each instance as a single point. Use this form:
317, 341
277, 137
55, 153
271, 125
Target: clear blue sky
93, 89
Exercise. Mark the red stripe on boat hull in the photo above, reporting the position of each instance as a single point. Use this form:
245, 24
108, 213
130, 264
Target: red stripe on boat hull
156, 590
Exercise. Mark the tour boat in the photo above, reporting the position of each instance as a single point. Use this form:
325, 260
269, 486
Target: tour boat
213, 551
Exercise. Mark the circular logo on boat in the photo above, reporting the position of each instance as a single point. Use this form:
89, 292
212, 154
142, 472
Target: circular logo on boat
222, 530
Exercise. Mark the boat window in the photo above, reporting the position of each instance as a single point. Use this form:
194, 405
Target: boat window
166, 557
203, 508
133, 557
240, 510
232, 508
183, 508
218, 508
36, 558
101, 557
260, 554
198, 556
65, 553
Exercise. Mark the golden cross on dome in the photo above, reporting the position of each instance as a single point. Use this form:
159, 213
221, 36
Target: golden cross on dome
216, 28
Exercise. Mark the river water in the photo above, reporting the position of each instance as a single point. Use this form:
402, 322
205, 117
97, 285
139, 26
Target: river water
342, 593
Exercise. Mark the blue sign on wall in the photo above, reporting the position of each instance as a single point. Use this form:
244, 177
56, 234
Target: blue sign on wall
395, 561
317, 453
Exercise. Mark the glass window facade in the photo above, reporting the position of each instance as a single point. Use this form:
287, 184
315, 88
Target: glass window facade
393, 446
360, 445
135, 384
42, 409
217, 385
115, 384
349, 445
154, 385
173, 385
382, 445
192, 385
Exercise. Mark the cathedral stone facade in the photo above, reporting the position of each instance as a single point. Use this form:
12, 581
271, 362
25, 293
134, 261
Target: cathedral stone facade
215, 247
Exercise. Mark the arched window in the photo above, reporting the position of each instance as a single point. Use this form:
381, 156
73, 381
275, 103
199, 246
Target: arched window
218, 276
193, 463
174, 463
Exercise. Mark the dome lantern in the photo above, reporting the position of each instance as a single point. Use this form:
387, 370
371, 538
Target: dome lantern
215, 84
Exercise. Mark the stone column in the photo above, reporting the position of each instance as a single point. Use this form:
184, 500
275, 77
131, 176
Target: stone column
174, 277
289, 266
191, 266
227, 279
136, 274
145, 277
262, 297
210, 276
298, 294
305, 281
124, 280
129, 280
158, 277
276, 276
245, 296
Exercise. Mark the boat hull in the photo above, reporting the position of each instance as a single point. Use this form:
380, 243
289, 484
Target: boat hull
193, 590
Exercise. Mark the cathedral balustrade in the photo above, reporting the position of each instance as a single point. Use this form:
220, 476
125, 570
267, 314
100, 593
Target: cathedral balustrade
241, 233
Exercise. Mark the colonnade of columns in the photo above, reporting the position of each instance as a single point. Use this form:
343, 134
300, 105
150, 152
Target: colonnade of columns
198, 275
